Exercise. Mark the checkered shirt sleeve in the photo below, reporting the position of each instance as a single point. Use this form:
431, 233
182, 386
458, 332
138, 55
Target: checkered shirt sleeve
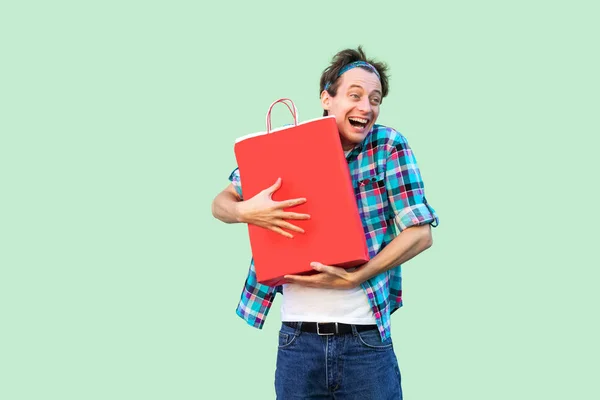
405, 187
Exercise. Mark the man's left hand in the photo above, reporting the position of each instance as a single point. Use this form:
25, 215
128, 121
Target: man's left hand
328, 278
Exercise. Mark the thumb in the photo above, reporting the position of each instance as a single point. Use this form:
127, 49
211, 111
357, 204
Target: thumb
328, 269
275, 186
319, 267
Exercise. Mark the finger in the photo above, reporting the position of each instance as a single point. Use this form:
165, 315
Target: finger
291, 215
274, 187
291, 203
288, 226
300, 280
281, 232
316, 265
328, 269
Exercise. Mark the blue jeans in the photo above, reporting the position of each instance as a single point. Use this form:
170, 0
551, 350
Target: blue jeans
356, 365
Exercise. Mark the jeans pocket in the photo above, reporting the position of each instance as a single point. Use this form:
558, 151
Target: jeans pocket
287, 336
371, 339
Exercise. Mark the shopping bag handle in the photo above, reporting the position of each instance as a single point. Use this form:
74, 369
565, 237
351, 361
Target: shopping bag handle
292, 109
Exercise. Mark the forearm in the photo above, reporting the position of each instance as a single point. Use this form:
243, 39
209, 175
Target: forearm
405, 246
225, 207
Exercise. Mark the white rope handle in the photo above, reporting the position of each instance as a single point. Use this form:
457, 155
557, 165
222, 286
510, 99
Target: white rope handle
292, 109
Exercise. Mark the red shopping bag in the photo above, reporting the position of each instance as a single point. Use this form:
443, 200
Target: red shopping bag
309, 159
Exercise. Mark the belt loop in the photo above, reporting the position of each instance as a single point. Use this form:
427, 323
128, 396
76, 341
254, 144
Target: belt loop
298, 328
354, 331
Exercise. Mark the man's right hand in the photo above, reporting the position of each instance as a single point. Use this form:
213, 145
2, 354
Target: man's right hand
261, 210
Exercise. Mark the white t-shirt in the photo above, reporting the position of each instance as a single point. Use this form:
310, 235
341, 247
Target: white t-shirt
306, 304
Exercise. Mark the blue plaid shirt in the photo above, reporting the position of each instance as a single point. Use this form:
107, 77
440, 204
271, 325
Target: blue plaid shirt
390, 197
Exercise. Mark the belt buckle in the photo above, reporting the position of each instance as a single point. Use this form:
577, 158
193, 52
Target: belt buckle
326, 334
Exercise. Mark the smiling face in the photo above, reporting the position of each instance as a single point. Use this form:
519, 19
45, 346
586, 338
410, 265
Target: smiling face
355, 105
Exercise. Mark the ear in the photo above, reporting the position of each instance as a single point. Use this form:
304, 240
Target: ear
325, 100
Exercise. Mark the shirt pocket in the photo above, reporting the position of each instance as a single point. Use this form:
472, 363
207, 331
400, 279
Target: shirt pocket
371, 198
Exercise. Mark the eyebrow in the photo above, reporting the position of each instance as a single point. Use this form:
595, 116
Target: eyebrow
360, 87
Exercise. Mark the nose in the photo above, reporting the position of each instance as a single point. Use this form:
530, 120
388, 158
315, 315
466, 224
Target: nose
364, 105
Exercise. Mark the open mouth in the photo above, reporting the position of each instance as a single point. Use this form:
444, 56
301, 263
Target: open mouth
358, 122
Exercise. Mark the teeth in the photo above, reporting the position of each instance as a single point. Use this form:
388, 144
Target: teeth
359, 120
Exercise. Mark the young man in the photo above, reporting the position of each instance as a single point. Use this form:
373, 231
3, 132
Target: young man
335, 336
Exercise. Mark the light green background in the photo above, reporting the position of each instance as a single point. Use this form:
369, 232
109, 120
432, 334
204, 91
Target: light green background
117, 124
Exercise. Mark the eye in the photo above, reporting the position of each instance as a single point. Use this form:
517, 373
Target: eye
376, 100
354, 96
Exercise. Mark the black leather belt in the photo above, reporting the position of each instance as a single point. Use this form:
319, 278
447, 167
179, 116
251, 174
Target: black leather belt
328, 328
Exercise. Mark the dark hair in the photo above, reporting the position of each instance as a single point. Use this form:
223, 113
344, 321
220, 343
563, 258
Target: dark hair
345, 57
